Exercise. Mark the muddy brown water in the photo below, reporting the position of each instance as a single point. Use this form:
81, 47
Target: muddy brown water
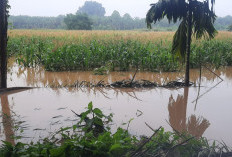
41, 111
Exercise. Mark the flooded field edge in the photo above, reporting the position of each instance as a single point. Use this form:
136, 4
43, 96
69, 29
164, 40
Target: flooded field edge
194, 110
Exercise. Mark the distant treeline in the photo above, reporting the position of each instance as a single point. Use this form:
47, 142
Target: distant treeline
113, 22
36, 22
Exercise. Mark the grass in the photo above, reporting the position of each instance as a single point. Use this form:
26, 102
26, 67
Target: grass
123, 50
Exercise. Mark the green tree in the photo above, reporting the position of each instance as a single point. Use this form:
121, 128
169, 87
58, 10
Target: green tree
92, 8
115, 15
128, 22
78, 22
36, 22
222, 23
196, 18
230, 28
116, 21
4, 13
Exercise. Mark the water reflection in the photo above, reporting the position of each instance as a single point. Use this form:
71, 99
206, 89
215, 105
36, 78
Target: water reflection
7, 120
178, 116
38, 77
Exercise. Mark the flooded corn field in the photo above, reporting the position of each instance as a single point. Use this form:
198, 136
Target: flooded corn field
29, 115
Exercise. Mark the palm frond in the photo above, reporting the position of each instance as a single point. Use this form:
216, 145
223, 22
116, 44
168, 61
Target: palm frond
203, 19
174, 10
212, 4
180, 41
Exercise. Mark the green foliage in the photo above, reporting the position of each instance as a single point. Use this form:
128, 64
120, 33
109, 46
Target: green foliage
94, 120
117, 22
230, 28
92, 8
122, 55
78, 22
113, 55
104, 23
179, 44
36, 22
196, 19
222, 23
103, 70
81, 143
201, 23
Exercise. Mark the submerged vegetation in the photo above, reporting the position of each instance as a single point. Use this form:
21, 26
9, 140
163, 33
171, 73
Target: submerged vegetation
87, 50
92, 136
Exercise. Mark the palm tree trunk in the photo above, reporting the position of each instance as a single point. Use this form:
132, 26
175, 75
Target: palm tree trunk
189, 35
3, 44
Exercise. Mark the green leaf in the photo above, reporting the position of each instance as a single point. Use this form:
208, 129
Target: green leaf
74, 127
98, 112
115, 147
98, 121
117, 150
90, 106
64, 129
57, 152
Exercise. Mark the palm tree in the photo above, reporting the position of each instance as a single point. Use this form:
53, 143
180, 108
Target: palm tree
196, 19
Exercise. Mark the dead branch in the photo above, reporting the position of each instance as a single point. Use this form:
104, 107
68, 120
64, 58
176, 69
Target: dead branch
143, 144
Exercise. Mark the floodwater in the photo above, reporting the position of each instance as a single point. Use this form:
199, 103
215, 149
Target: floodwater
33, 114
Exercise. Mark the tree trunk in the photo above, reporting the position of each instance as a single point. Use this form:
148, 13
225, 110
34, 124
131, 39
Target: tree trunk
189, 35
3, 44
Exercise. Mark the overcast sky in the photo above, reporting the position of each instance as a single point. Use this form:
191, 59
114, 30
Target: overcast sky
136, 8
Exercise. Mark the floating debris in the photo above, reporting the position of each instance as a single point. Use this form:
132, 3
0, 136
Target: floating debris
38, 129
37, 109
71, 120
174, 84
57, 117
55, 123
123, 84
129, 83
134, 84
62, 108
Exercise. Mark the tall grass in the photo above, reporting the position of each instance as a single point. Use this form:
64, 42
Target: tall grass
123, 50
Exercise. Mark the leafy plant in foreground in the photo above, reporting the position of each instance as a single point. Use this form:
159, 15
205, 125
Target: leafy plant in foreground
93, 120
